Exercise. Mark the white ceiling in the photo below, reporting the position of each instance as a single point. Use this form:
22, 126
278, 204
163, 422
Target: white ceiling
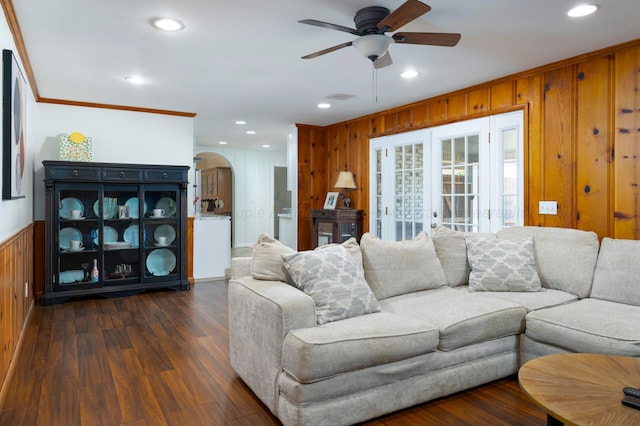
240, 60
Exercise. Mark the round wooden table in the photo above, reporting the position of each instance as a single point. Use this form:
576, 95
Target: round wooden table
582, 389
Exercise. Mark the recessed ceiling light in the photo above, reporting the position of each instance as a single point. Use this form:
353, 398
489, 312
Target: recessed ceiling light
167, 24
222, 142
324, 105
266, 146
582, 10
135, 79
251, 132
409, 74
241, 122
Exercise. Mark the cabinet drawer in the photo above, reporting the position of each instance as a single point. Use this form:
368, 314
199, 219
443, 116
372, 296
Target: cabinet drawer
165, 175
73, 173
129, 175
324, 214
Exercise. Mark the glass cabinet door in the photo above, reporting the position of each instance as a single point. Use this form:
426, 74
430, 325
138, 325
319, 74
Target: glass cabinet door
325, 233
120, 234
76, 228
161, 233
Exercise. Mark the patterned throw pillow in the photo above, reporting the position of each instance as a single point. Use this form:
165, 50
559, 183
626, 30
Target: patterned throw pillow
502, 265
334, 281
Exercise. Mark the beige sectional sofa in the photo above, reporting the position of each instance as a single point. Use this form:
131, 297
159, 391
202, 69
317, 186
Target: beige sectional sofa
451, 311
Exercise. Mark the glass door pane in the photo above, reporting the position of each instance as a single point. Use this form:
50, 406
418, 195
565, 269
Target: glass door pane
460, 183
460, 192
408, 190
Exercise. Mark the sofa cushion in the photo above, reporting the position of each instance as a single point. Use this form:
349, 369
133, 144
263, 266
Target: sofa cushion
334, 281
588, 325
531, 300
617, 276
451, 249
565, 258
398, 267
462, 318
267, 263
502, 265
315, 353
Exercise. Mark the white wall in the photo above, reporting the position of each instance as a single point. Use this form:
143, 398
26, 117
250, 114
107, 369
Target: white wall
17, 214
117, 136
253, 205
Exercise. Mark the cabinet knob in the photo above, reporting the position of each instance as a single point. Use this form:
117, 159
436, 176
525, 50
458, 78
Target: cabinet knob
74, 173
164, 175
122, 174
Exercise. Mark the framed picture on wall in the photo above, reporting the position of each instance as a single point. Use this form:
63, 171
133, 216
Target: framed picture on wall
331, 200
13, 127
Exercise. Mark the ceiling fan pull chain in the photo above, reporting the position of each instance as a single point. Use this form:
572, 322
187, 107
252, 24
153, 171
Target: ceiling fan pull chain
374, 87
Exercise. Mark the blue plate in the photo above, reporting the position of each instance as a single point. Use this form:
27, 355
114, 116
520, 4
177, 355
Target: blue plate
110, 235
161, 262
68, 204
133, 204
131, 235
68, 234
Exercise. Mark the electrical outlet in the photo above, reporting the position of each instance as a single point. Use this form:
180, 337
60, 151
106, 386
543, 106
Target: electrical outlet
26, 289
548, 207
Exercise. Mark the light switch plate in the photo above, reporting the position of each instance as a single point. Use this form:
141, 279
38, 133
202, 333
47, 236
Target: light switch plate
548, 207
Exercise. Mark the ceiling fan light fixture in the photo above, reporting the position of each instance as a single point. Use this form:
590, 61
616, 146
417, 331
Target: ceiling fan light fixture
372, 46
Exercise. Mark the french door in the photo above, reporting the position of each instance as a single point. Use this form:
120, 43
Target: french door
401, 185
453, 175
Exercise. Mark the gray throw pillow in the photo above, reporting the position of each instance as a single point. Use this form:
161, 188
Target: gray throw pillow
502, 265
451, 249
399, 267
334, 281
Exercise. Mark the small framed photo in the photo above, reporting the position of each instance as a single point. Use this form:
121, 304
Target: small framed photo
331, 200
123, 212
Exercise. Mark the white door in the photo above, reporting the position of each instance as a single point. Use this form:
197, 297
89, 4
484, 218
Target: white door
461, 186
400, 185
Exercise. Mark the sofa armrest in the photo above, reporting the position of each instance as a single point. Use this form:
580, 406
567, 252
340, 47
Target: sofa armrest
261, 313
240, 267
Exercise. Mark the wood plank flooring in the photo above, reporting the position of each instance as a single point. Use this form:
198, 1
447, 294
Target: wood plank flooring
161, 358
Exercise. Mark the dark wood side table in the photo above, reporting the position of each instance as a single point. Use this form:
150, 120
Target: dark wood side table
336, 226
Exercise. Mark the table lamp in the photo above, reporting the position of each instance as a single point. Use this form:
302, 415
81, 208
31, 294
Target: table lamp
345, 181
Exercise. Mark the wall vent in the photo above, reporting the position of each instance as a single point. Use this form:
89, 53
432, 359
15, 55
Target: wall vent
340, 96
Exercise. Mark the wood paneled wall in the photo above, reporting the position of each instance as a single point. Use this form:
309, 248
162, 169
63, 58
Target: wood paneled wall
582, 121
16, 269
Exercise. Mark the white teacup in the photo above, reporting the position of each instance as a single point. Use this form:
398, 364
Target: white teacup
76, 214
158, 212
162, 241
75, 244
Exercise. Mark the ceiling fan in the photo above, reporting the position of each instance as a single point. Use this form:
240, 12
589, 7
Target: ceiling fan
371, 25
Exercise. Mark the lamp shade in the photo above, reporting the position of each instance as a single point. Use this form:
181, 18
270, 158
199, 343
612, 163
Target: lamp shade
345, 181
372, 46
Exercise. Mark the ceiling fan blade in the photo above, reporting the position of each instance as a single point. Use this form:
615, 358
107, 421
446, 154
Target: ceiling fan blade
328, 50
410, 10
383, 61
321, 24
432, 39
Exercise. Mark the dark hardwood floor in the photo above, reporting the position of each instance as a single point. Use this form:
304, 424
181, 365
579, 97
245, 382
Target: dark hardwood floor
161, 358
